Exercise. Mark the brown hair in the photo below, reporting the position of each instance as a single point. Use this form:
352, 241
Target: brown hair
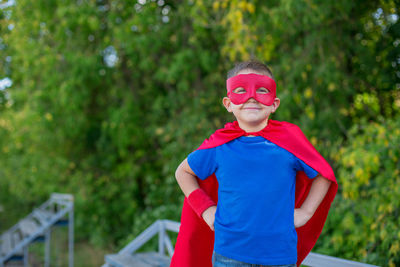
252, 65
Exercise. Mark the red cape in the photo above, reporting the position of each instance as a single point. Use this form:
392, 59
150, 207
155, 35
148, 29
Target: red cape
195, 242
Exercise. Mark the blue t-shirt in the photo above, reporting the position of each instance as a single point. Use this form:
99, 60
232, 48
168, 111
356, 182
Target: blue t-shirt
254, 222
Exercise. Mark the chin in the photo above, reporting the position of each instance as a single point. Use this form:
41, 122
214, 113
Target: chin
255, 120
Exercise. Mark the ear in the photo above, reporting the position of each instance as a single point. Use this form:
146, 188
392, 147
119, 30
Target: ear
227, 104
276, 104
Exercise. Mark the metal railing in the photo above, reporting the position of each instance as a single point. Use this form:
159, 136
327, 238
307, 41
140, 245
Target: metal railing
164, 242
36, 226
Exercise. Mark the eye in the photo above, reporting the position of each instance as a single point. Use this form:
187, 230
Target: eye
262, 90
239, 90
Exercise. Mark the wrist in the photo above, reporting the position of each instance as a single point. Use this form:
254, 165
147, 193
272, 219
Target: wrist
200, 201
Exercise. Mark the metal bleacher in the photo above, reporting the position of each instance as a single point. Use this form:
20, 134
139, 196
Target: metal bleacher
128, 257
35, 227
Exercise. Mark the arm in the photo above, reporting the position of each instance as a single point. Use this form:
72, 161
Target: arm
186, 179
318, 190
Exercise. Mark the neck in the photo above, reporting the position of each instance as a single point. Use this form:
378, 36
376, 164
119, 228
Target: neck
253, 128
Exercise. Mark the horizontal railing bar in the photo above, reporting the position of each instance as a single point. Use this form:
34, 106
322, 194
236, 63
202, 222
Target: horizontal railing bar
314, 259
171, 225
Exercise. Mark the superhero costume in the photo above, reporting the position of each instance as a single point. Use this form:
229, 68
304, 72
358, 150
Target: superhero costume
195, 240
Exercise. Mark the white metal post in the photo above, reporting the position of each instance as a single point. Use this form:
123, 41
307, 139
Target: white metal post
71, 236
26, 256
161, 233
47, 237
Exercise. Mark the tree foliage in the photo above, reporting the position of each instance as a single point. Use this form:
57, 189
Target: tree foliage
108, 97
366, 223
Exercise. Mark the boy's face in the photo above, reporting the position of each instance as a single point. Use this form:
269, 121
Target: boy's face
252, 112
244, 86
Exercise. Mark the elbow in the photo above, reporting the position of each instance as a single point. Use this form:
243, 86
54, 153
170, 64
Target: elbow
178, 172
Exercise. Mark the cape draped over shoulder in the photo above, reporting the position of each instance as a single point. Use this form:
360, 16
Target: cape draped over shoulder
195, 240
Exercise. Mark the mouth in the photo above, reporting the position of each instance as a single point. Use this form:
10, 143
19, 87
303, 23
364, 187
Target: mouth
251, 108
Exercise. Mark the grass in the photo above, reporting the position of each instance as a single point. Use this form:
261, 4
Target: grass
85, 254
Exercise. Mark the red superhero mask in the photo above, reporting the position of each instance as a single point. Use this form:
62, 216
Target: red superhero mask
251, 82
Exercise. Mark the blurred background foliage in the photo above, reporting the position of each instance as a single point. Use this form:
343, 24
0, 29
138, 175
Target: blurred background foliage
104, 98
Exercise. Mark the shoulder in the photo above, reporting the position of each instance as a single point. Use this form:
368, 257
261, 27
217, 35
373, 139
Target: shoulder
221, 136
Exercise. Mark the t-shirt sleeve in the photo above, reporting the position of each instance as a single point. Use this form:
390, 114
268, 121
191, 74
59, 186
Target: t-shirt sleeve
301, 166
203, 162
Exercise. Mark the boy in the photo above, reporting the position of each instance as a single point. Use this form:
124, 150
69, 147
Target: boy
261, 178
